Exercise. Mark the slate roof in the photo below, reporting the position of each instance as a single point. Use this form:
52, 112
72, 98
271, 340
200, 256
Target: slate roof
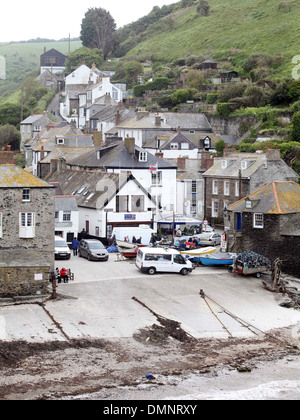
12, 176
234, 165
196, 122
117, 156
92, 189
277, 197
65, 203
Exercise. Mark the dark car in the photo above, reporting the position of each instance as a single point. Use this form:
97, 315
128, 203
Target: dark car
92, 249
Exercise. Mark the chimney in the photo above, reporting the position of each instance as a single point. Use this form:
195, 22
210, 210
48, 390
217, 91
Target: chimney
273, 154
45, 50
159, 155
179, 129
181, 163
97, 138
157, 120
206, 160
9, 148
118, 118
130, 144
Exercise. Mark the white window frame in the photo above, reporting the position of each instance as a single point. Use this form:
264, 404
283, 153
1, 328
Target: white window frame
143, 157
214, 208
258, 220
215, 187
156, 178
237, 189
26, 195
26, 225
226, 187
66, 216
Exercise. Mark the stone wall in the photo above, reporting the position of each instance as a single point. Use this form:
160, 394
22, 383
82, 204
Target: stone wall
269, 243
22, 281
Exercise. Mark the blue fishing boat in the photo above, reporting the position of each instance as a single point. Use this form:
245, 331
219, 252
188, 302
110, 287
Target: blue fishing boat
217, 258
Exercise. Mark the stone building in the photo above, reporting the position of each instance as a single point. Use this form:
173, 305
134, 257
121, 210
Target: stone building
267, 222
27, 225
238, 174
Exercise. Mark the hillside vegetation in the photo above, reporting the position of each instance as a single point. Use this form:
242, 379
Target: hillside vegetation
231, 31
23, 60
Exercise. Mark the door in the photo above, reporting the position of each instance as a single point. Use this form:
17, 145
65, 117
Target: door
178, 263
238, 222
87, 226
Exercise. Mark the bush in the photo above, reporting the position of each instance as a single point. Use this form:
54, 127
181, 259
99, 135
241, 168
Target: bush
295, 131
223, 109
211, 98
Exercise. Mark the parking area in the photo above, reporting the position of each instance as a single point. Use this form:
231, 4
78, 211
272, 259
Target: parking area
99, 304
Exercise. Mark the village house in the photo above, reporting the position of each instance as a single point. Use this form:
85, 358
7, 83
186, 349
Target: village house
31, 127
175, 145
236, 175
52, 60
267, 221
66, 217
146, 126
83, 88
26, 232
156, 175
106, 200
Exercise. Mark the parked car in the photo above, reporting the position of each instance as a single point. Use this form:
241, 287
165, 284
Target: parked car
62, 251
210, 239
92, 249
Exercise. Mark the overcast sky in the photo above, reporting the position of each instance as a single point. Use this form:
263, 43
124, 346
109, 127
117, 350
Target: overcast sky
57, 19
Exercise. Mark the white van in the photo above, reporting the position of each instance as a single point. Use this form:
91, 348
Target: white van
143, 232
152, 260
61, 249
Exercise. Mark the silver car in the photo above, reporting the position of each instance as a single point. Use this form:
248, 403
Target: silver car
210, 239
92, 249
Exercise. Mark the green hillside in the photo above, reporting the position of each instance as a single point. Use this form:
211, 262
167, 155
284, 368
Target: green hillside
22, 59
233, 29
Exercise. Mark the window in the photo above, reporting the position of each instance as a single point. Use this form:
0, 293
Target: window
27, 225
244, 164
137, 203
157, 178
26, 194
184, 146
174, 146
66, 216
226, 187
1, 225
224, 164
237, 189
214, 208
60, 140
57, 216
122, 203
258, 220
143, 157
215, 187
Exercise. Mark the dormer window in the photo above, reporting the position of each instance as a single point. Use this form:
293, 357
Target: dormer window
60, 140
244, 164
224, 164
143, 156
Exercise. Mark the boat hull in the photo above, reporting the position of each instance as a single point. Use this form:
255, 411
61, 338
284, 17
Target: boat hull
216, 259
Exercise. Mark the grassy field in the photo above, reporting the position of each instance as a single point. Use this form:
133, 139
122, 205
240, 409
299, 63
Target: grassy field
233, 28
23, 59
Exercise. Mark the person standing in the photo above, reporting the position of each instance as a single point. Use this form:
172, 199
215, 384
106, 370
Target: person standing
75, 245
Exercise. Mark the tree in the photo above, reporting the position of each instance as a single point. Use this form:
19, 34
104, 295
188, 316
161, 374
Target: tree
98, 30
88, 55
295, 132
9, 135
220, 146
195, 79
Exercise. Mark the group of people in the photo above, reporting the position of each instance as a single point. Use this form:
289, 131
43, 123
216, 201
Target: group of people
61, 275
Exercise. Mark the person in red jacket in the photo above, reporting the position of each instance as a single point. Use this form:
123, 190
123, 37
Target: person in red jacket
64, 275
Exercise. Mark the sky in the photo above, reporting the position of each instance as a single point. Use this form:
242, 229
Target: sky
32, 19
